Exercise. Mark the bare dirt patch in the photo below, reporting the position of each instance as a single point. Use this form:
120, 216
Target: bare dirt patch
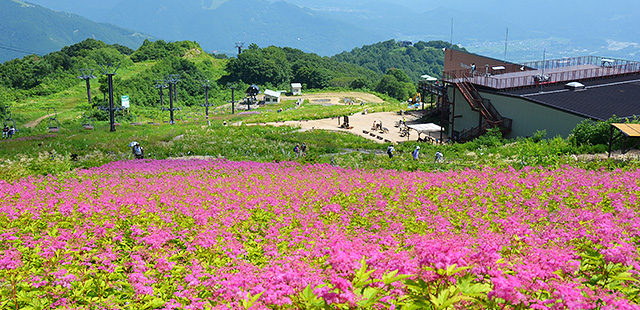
361, 125
336, 97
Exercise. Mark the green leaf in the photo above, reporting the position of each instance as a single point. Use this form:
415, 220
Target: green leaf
250, 300
474, 290
625, 276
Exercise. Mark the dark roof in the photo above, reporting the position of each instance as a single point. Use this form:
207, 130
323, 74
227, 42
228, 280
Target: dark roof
601, 99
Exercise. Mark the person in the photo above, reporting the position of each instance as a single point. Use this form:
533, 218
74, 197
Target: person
390, 151
303, 149
473, 68
439, 157
416, 152
5, 132
404, 121
12, 131
138, 151
296, 149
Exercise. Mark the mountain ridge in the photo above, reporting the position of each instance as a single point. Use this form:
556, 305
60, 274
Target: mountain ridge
33, 29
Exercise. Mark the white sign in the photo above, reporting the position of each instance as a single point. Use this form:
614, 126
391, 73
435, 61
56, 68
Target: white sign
125, 102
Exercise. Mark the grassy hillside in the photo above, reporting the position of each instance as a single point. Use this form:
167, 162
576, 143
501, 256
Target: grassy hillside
33, 87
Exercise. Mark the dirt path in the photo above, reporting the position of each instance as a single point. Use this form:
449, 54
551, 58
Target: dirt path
34, 123
336, 98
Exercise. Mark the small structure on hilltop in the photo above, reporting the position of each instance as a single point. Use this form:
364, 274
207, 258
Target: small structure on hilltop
296, 89
271, 96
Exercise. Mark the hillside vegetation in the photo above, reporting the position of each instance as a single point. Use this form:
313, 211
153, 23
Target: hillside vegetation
415, 60
32, 87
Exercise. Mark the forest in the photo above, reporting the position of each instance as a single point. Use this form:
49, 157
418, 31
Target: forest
269, 67
414, 59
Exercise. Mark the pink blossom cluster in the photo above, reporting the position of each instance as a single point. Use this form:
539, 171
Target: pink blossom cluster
192, 234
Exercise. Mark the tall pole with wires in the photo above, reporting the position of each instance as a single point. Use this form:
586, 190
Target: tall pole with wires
110, 70
87, 75
233, 99
159, 84
206, 84
172, 80
239, 46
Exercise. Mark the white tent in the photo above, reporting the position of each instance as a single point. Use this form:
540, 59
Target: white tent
429, 78
426, 128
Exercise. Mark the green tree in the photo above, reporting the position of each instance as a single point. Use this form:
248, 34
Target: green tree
390, 85
313, 77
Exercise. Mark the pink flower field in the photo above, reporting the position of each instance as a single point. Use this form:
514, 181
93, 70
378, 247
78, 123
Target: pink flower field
188, 234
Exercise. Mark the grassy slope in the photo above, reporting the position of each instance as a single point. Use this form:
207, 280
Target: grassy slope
37, 152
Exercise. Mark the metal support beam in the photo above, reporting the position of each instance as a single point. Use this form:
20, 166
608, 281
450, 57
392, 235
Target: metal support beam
109, 70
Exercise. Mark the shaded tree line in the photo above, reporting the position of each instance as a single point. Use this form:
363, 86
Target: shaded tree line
277, 67
415, 60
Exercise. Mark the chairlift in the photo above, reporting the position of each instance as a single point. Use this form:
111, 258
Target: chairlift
87, 122
53, 124
155, 118
7, 120
134, 119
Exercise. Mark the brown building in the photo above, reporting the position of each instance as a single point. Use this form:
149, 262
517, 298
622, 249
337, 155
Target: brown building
555, 95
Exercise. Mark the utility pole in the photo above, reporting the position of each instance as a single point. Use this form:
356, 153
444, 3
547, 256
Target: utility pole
206, 84
172, 80
110, 71
233, 99
87, 74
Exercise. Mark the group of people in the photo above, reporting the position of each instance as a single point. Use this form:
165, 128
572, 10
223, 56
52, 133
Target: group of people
300, 150
8, 132
415, 154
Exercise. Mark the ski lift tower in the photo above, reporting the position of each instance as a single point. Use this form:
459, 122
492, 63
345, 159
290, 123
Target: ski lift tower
109, 70
172, 80
239, 46
252, 92
87, 75
233, 98
206, 84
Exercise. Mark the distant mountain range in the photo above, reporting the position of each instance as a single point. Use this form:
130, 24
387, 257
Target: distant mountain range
32, 29
329, 27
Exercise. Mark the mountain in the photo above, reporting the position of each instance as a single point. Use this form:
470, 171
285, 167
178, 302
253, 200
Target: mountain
218, 25
562, 28
32, 29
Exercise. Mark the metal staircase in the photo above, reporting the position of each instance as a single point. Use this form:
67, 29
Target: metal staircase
491, 118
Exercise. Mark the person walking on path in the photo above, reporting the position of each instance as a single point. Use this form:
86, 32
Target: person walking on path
303, 149
439, 157
296, 149
416, 152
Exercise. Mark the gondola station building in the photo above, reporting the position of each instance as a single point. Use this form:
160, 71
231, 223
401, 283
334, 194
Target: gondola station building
477, 93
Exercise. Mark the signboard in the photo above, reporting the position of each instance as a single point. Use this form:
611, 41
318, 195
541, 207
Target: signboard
125, 102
